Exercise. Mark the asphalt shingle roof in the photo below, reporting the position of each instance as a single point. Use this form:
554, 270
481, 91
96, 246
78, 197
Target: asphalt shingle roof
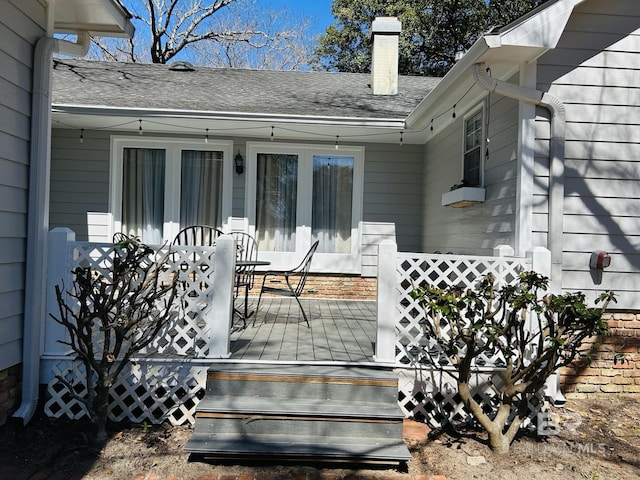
154, 86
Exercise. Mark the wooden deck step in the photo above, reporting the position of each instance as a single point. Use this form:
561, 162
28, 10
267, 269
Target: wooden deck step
383, 451
347, 414
215, 404
354, 384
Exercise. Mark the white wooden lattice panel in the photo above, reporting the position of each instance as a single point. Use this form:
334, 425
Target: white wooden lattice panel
442, 271
431, 396
147, 391
188, 334
144, 392
426, 392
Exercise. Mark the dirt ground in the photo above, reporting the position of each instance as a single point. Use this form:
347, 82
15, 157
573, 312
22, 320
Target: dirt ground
595, 439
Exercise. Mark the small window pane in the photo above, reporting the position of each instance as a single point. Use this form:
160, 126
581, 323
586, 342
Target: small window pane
143, 177
201, 188
276, 202
472, 150
472, 166
332, 203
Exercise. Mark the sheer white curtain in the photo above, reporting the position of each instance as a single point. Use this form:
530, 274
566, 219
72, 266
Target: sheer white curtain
276, 202
331, 213
201, 188
143, 183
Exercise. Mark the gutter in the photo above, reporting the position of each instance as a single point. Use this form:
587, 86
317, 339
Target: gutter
151, 113
38, 214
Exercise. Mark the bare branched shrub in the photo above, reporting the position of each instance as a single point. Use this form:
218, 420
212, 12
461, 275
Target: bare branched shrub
112, 315
535, 333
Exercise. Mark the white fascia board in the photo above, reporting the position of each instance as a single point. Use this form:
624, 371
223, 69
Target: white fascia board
542, 27
100, 17
236, 116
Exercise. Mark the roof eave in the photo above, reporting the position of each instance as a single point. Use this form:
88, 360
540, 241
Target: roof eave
98, 17
222, 115
422, 114
520, 42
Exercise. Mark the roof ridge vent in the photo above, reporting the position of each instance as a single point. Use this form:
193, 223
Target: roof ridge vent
182, 67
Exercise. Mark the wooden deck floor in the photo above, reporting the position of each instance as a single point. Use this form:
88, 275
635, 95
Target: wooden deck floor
340, 331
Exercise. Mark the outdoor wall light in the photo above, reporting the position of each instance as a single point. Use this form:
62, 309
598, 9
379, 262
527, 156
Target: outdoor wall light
239, 161
599, 260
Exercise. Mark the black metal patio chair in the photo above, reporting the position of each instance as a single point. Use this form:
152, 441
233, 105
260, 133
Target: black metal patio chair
294, 281
200, 235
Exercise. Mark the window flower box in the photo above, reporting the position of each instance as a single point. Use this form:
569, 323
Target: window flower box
463, 197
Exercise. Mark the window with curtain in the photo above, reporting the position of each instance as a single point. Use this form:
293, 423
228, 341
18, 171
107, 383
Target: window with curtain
143, 187
160, 185
472, 172
201, 188
331, 212
276, 202
299, 193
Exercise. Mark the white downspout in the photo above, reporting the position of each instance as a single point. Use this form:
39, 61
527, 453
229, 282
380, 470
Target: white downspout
556, 179
38, 214
556, 158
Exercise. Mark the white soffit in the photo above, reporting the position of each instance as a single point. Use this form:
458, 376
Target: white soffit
99, 17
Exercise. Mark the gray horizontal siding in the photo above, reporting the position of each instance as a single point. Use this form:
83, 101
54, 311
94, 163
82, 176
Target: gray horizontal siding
79, 178
619, 263
597, 205
21, 24
80, 184
393, 190
479, 228
595, 71
605, 224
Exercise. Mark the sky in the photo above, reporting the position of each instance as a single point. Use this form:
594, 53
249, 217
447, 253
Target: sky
319, 9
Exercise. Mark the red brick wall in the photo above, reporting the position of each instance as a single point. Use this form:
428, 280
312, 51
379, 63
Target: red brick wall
602, 376
9, 391
333, 286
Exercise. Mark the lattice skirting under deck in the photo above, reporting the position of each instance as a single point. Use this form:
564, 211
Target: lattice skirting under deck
430, 396
145, 392
155, 393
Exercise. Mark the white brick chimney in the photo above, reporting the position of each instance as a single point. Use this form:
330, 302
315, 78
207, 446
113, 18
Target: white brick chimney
384, 57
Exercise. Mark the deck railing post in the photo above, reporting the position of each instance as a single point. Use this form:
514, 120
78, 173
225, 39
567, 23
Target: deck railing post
58, 273
541, 262
387, 302
220, 315
503, 251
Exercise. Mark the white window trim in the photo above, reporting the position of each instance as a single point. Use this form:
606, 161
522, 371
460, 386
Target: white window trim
322, 262
173, 147
483, 144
